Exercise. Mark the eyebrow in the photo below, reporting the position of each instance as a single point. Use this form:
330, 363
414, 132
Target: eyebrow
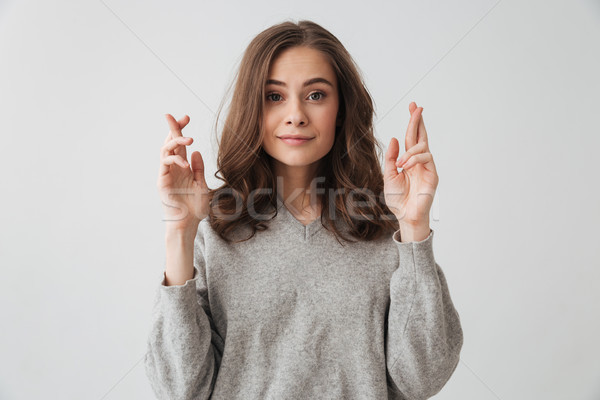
306, 83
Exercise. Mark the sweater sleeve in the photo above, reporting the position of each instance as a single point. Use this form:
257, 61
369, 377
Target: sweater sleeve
184, 348
424, 336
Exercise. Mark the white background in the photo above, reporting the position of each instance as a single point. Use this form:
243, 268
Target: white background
510, 91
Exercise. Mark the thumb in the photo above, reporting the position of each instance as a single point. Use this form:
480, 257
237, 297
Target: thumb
198, 168
391, 155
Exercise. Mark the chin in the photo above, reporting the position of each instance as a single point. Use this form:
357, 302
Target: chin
297, 162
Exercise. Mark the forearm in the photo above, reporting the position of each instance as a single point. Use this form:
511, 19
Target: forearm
424, 336
179, 256
183, 351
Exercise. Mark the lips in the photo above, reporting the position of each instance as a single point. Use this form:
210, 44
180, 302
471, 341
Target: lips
295, 137
295, 140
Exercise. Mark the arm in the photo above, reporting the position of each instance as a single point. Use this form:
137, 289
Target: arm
424, 334
184, 350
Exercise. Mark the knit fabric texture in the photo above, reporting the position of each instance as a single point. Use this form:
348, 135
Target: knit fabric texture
293, 314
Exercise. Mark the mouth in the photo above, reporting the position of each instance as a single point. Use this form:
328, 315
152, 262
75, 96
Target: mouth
295, 140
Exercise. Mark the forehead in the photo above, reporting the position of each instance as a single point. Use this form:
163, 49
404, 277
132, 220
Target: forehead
299, 63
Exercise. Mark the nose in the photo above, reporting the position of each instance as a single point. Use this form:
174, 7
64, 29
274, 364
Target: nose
296, 115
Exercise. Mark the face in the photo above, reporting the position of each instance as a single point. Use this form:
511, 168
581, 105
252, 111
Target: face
301, 101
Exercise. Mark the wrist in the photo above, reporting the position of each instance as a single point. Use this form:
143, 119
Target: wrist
185, 234
179, 258
414, 233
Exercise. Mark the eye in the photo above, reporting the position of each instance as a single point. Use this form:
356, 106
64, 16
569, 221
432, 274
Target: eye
272, 94
321, 94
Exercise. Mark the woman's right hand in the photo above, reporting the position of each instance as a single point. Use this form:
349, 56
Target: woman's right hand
182, 190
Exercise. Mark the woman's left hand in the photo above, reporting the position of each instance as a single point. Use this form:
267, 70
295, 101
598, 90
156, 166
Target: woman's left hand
409, 193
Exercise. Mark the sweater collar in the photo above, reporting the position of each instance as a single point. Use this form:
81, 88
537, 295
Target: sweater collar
305, 231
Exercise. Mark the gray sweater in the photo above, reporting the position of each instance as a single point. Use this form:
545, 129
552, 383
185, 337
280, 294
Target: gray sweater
292, 314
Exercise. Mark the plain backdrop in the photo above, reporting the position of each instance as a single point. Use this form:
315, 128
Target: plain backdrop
510, 91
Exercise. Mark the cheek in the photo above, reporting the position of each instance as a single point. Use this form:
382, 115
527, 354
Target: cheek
268, 128
331, 112
269, 122
327, 118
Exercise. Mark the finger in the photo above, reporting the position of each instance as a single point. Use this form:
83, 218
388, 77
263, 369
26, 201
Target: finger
164, 167
422, 158
412, 107
416, 149
163, 170
175, 159
411, 132
183, 121
198, 168
391, 154
168, 148
176, 126
175, 130
422, 135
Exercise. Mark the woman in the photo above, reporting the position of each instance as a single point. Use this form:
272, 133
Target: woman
308, 273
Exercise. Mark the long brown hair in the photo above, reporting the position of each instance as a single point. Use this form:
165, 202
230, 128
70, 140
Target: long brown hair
350, 172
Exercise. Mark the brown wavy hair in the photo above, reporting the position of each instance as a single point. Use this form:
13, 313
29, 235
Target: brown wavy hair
350, 172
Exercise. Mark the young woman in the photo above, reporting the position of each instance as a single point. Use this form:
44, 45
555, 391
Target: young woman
309, 273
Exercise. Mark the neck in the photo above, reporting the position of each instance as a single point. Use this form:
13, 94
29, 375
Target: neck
297, 188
